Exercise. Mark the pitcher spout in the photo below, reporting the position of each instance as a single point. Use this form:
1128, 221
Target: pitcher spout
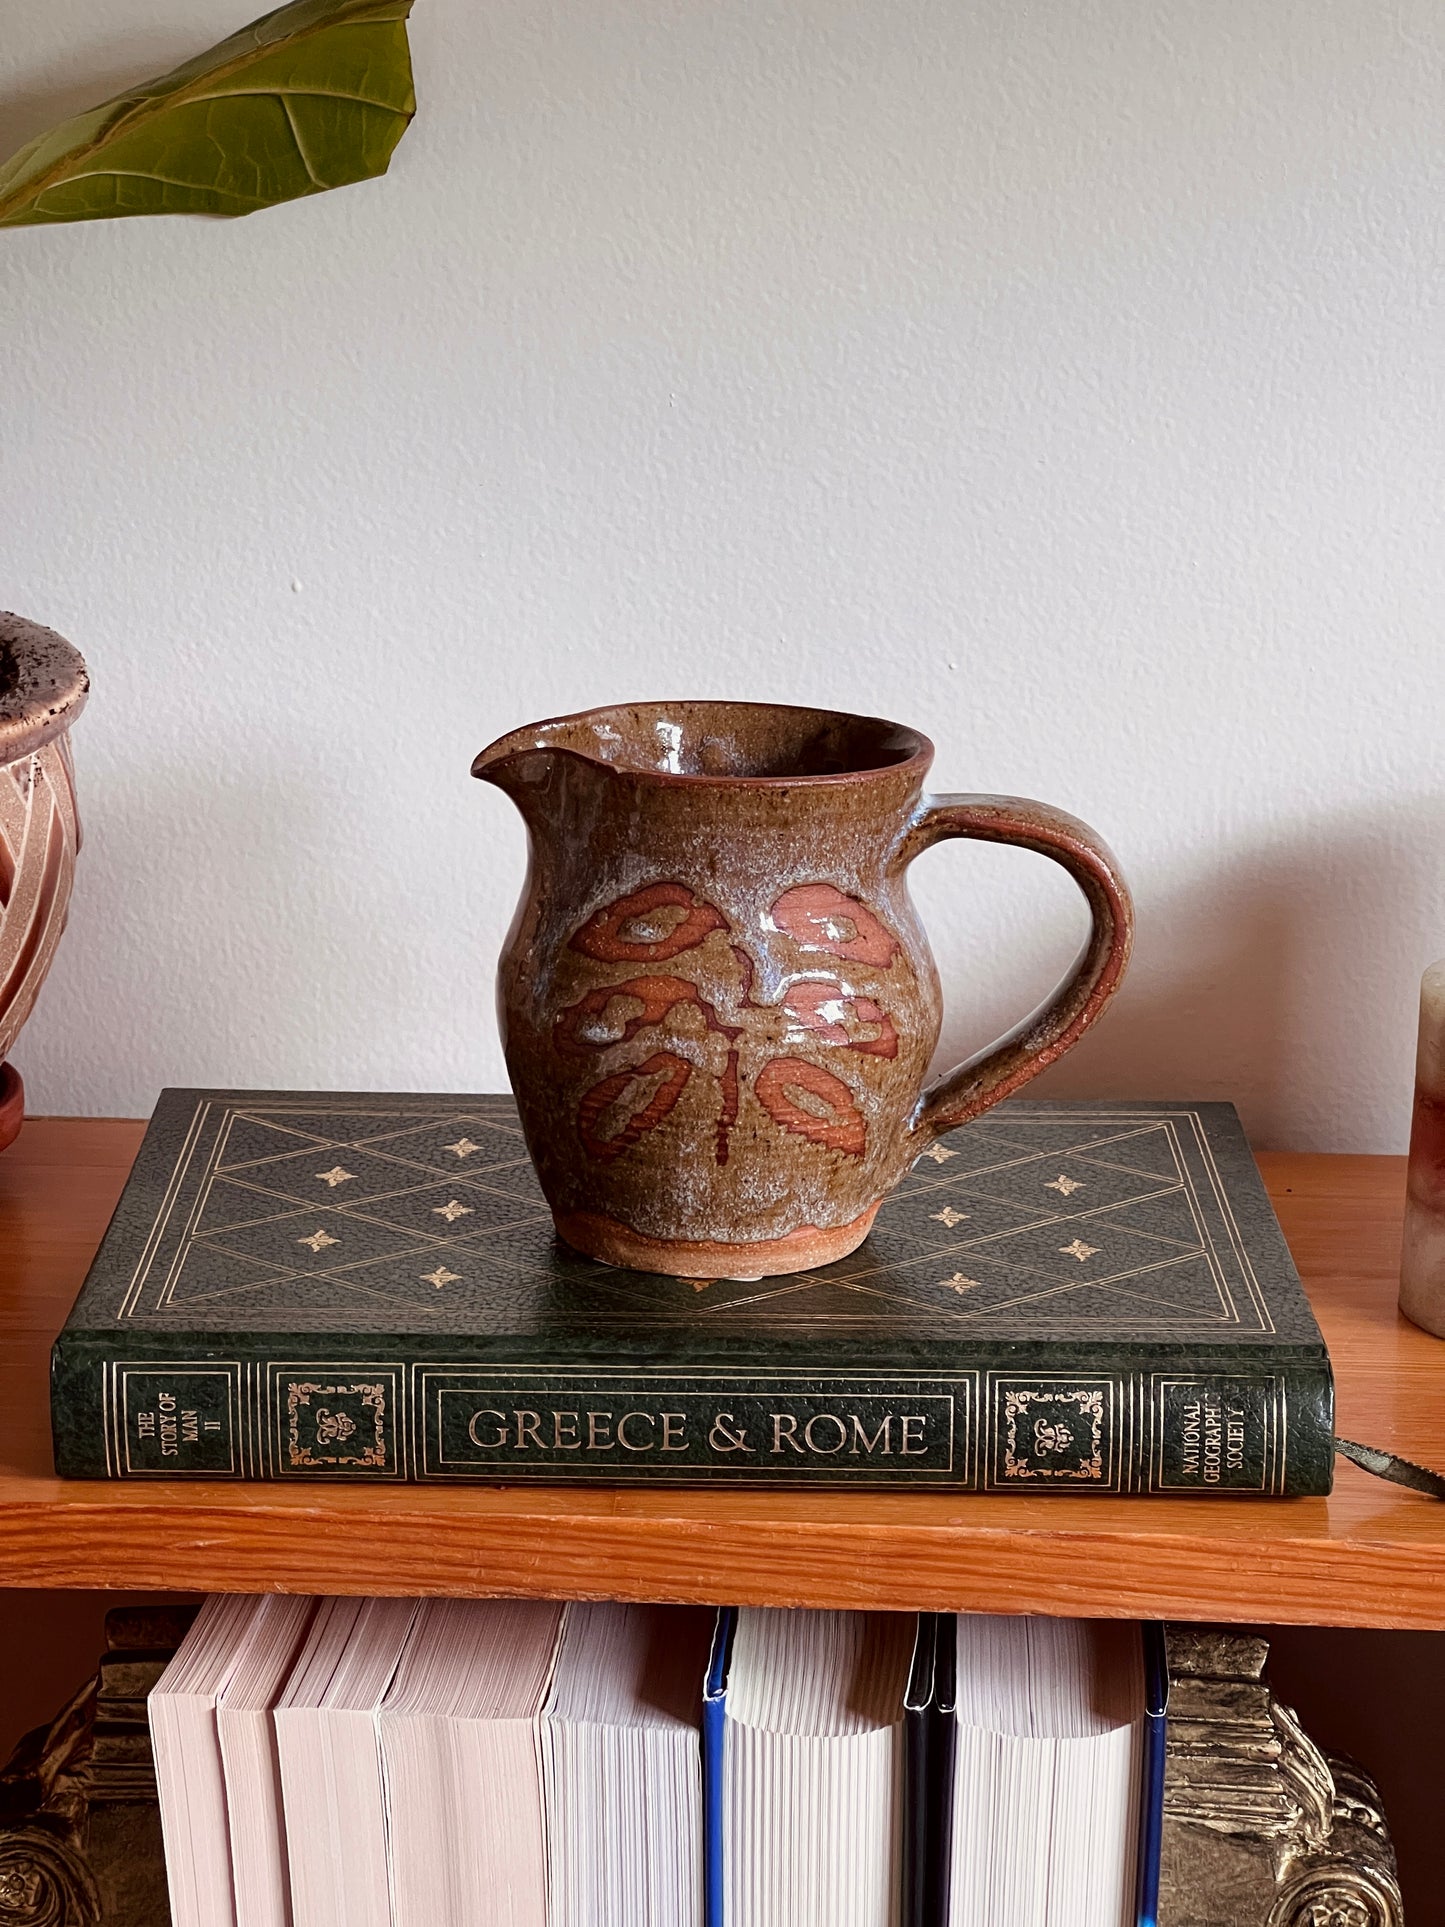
500, 762
518, 763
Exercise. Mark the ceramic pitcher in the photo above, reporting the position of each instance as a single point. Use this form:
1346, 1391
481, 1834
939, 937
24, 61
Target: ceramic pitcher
717, 1004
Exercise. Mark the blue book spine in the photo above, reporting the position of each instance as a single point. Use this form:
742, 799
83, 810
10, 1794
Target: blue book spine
1151, 1829
714, 1724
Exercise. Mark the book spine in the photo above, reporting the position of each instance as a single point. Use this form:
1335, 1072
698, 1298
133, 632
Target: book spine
1204, 1426
714, 1792
1152, 1771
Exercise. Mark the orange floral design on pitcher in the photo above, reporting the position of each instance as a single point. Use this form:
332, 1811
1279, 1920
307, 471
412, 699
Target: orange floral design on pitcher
665, 921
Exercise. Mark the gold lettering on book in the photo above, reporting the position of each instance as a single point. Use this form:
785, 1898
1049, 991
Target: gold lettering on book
836, 1430
727, 1435
572, 1442
551, 1431
1234, 1438
1211, 1438
862, 1440
1212, 1443
815, 1438
1190, 1434
639, 1445
490, 1444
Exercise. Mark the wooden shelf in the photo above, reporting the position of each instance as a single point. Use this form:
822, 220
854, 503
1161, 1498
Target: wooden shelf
1369, 1555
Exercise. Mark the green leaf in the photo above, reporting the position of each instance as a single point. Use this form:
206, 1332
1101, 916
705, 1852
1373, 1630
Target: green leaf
310, 97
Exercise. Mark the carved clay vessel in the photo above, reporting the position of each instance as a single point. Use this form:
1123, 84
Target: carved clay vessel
43, 687
717, 1004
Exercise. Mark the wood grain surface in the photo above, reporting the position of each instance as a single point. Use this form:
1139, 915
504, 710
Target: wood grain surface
1370, 1555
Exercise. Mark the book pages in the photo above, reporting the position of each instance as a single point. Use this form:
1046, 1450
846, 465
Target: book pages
813, 1764
622, 1767
1047, 1778
462, 1766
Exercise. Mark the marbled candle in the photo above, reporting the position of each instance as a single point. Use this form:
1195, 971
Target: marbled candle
1422, 1262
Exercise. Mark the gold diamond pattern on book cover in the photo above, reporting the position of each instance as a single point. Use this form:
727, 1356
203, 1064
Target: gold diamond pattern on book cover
385, 1214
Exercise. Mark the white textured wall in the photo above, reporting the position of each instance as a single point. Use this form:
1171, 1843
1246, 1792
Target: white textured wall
1065, 378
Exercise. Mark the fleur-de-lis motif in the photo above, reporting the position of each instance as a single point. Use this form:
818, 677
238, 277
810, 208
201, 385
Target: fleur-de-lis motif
1078, 1249
1065, 1185
959, 1283
318, 1241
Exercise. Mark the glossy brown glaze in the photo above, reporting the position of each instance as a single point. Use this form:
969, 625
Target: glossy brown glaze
717, 1004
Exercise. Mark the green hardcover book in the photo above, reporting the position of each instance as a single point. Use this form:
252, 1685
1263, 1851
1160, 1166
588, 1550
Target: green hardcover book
1058, 1298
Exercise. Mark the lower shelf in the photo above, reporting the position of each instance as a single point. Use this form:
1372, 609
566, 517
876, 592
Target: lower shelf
1258, 1824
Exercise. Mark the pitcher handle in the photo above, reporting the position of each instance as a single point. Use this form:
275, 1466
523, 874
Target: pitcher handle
1033, 1044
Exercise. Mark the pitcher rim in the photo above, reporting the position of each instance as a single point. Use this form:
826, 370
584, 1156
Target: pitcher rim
513, 743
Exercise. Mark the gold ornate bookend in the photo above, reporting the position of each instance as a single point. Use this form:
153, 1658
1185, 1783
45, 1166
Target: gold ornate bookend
80, 1836
1261, 1829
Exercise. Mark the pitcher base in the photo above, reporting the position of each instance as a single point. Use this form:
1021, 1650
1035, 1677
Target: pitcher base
614, 1243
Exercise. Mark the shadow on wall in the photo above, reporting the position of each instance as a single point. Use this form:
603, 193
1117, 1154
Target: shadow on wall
1269, 980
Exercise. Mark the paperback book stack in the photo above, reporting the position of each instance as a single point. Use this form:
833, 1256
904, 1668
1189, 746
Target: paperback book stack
461, 1763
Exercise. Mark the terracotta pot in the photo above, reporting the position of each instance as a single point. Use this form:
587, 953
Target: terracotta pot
716, 1002
43, 687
